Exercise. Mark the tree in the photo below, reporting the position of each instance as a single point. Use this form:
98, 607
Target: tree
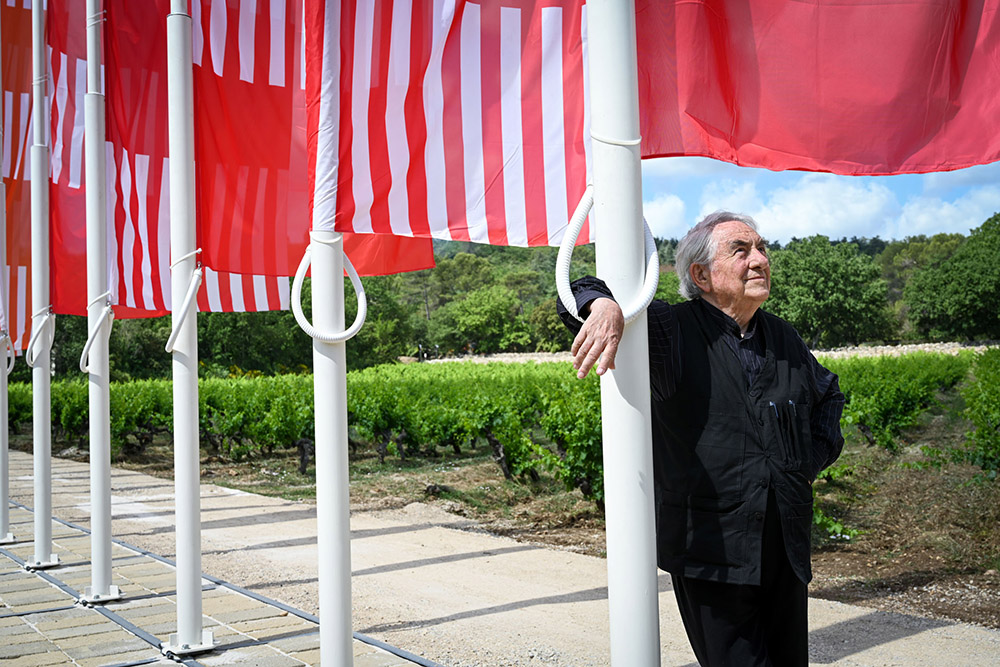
959, 298
832, 294
668, 287
548, 332
387, 333
485, 321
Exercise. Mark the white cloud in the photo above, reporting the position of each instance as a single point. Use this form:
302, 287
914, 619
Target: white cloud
665, 216
834, 206
729, 195
939, 183
929, 215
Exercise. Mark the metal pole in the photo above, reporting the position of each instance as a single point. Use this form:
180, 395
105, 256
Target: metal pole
332, 495
190, 637
5, 535
98, 298
625, 410
41, 378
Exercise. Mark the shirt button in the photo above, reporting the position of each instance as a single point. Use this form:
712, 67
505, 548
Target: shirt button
754, 393
762, 483
758, 516
760, 421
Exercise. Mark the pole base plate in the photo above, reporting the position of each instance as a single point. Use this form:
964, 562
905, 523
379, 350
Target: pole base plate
8, 539
92, 598
33, 564
173, 646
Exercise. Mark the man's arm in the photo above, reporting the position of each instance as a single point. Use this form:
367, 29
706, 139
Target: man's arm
824, 419
598, 337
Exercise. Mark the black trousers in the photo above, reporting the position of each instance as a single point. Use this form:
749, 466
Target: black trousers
735, 625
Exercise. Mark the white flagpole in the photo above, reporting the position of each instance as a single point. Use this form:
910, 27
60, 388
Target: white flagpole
185, 273
625, 409
332, 495
98, 320
5, 535
41, 319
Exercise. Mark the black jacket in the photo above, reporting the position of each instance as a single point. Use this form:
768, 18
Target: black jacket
721, 449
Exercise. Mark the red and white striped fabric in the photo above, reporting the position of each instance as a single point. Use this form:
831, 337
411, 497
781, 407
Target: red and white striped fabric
452, 119
250, 145
15, 75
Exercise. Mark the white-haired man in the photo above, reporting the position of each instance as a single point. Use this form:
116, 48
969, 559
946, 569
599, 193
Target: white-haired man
743, 419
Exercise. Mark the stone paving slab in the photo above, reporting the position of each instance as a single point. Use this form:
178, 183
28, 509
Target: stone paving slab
41, 622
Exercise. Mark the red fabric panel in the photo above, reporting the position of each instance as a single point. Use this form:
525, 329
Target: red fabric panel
879, 87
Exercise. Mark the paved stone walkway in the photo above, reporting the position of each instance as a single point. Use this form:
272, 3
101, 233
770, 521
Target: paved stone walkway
42, 622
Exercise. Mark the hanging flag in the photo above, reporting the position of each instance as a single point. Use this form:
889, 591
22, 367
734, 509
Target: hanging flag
250, 143
251, 196
851, 88
15, 75
457, 120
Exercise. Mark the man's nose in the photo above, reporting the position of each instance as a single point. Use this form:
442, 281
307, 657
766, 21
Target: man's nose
758, 258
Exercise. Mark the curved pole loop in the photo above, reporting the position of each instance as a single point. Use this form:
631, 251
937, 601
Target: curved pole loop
645, 296
107, 316
47, 319
359, 290
9, 348
186, 305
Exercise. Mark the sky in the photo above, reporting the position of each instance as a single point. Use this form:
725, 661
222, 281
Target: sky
677, 192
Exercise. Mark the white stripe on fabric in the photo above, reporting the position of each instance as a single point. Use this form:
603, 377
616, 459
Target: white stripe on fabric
260, 294
588, 155
22, 305
128, 233
26, 134
554, 141
434, 163
111, 200
163, 235
302, 50
247, 39
217, 35
8, 130
511, 127
236, 292
472, 123
141, 187
212, 290
395, 118
360, 86
60, 97
4, 323
276, 73
327, 133
79, 123
197, 34
284, 291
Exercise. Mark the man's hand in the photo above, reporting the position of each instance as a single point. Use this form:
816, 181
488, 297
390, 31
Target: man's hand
599, 338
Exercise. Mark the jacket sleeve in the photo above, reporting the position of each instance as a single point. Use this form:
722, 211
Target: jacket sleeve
586, 290
824, 419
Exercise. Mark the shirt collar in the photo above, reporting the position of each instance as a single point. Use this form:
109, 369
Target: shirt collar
728, 324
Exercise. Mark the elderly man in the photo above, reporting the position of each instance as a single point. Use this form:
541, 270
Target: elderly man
744, 418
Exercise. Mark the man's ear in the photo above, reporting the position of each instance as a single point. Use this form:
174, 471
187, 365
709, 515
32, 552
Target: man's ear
701, 277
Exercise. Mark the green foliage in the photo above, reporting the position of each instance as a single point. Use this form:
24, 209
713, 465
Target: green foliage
885, 394
484, 321
668, 288
549, 333
832, 294
960, 298
982, 399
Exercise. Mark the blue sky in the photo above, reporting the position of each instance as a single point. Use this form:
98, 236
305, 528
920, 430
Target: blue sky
677, 192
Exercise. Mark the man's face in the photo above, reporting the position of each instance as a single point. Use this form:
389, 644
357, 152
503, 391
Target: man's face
740, 273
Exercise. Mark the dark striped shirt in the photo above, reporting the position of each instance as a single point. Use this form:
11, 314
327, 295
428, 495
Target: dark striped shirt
665, 362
